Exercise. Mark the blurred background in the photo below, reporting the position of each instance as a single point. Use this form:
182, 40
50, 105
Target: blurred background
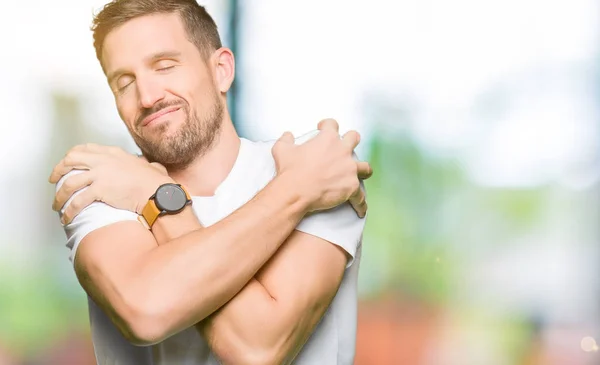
480, 119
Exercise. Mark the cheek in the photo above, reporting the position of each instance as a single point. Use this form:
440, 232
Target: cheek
198, 84
184, 87
204, 95
128, 112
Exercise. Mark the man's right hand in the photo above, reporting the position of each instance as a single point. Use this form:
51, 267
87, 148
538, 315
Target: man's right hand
325, 171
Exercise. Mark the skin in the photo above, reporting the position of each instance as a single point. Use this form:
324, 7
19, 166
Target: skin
173, 102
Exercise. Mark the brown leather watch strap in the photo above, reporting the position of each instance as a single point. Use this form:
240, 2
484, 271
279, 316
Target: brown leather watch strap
187, 195
150, 212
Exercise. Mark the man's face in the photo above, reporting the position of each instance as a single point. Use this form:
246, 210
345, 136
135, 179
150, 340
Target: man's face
164, 89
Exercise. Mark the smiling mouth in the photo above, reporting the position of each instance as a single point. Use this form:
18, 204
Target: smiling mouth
149, 119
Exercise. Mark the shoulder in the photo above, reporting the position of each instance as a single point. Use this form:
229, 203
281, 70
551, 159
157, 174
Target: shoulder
257, 165
262, 148
340, 226
258, 153
93, 217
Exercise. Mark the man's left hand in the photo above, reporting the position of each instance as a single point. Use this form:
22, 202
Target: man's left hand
110, 175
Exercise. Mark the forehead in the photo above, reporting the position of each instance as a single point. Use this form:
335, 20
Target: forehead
144, 36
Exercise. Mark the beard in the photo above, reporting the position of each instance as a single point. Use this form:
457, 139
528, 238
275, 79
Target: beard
192, 140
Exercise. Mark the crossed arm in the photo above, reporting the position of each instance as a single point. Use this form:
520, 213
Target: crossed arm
155, 284
269, 321
153, 289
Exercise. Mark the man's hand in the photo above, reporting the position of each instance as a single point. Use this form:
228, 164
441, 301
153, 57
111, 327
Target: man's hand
110, 174
333, 175
125, 181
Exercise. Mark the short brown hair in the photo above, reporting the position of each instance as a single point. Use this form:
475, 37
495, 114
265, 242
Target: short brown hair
199, 25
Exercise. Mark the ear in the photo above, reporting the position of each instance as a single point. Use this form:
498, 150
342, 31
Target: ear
224, 69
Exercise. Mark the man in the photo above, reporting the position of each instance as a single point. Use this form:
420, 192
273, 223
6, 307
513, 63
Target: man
248, 252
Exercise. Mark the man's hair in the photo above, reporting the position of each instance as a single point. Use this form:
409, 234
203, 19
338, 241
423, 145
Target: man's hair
199, 25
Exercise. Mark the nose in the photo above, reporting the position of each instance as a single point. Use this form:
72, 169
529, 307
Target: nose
149, 92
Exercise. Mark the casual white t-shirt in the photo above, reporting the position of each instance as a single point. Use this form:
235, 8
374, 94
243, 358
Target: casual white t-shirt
333, 340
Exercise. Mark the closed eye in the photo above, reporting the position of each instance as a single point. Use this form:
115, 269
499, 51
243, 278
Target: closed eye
121, 89
162, 69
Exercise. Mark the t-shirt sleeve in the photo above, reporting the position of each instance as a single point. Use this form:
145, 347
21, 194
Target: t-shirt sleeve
340, 226
94, 216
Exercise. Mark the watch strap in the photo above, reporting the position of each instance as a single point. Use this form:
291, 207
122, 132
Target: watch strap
150, 212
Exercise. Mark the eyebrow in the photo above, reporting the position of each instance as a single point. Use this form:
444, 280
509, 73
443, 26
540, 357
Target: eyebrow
153, 58
166, 54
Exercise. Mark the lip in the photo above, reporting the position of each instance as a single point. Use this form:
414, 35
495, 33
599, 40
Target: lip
159, 114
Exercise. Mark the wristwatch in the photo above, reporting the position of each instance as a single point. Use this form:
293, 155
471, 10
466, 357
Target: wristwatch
168, 199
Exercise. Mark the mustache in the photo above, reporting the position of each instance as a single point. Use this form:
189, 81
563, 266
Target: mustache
145, 112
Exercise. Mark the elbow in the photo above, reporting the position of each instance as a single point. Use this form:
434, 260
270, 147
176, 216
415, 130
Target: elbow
141, 332
143, 323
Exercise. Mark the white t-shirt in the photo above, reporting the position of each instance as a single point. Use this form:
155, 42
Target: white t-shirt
333, 340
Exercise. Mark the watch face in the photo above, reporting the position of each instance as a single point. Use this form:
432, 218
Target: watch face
170, 197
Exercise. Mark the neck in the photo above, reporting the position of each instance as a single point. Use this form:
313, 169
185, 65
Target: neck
208, 171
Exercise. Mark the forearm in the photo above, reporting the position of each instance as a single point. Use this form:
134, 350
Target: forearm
269, 321
256, 328
268, 332
195, 274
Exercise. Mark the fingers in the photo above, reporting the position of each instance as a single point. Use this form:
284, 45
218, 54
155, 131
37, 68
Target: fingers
358, 202
351, 139
287, 137
70, 187
364, 170
329, 124
75, 159
80, 202
81, 157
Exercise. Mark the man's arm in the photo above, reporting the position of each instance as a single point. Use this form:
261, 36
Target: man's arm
270, 320
153, 292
